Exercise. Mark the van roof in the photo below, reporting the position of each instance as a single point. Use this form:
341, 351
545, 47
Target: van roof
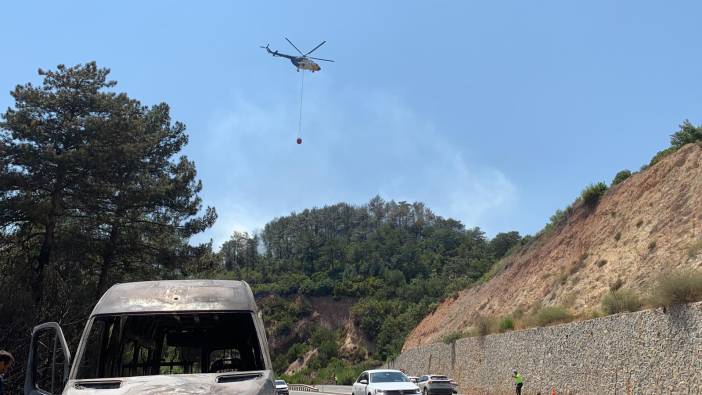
176, 295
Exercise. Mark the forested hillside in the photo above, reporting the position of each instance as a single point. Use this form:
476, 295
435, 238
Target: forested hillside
393, 260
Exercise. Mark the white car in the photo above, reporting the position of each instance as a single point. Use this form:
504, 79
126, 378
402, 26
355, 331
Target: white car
435, 384
281, 387
384, 382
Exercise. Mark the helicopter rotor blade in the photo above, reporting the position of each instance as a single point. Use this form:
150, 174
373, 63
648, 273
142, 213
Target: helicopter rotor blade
315, 48
326, 60
293, 45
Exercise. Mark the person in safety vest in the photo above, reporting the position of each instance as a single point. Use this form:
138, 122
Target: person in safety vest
519, 381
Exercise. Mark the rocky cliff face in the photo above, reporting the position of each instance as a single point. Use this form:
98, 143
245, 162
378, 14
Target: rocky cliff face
650, 223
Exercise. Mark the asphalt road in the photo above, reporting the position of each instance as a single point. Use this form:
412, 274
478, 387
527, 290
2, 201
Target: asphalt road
335, 389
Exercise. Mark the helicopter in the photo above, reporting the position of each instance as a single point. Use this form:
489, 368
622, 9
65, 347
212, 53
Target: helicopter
303, 62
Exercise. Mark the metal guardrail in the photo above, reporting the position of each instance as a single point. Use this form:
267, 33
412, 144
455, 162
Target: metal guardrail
302, 387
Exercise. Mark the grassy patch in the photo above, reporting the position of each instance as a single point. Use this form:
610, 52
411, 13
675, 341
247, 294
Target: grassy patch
453, 336
678, 287
506, 324
695, 249
620, 301
551, 315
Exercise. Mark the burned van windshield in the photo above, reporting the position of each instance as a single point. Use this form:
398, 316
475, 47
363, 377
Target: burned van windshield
141, 345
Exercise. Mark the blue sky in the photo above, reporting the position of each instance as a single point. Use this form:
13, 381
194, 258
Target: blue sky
493, 113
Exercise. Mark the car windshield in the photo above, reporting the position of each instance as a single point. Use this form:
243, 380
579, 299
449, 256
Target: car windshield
280, 382
439, 378
141, 345
388, 377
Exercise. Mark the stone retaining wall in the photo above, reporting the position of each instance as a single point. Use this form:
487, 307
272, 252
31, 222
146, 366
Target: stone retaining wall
648, 352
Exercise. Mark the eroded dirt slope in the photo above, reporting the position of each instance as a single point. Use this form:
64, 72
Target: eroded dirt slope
641, 227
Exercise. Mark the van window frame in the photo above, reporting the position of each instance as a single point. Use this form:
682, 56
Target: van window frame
260, 336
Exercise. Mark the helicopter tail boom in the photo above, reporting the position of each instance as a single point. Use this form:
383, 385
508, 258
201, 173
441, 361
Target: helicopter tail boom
274, 53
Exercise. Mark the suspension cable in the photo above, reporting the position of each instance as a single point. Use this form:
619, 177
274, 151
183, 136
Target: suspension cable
302, 88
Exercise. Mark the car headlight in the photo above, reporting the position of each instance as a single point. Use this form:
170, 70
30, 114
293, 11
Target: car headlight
379, 392
417, 390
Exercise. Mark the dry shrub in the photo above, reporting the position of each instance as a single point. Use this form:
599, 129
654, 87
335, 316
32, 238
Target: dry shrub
678, 287
616, 284
484, 325
695, 249
453, 336
620, 301
551, 315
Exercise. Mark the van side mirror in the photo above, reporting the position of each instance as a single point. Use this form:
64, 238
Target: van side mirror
364, 381
49, 361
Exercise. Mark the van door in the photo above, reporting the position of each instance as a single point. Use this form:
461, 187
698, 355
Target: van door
49, 361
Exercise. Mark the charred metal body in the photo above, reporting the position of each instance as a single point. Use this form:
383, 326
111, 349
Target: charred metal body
158, 337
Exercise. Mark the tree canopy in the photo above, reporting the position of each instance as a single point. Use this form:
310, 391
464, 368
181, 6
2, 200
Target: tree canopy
396, 260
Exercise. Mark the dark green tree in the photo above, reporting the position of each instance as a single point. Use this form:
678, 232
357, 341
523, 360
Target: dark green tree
621, 176
688, 133
503, 242
83, 166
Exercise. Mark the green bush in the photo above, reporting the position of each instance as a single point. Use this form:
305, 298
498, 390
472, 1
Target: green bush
688, 133
592, 193
621, 176
506, 324
551, 315
678, 287
297, 350
283, 328
660, 155
556, 219
620, 301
